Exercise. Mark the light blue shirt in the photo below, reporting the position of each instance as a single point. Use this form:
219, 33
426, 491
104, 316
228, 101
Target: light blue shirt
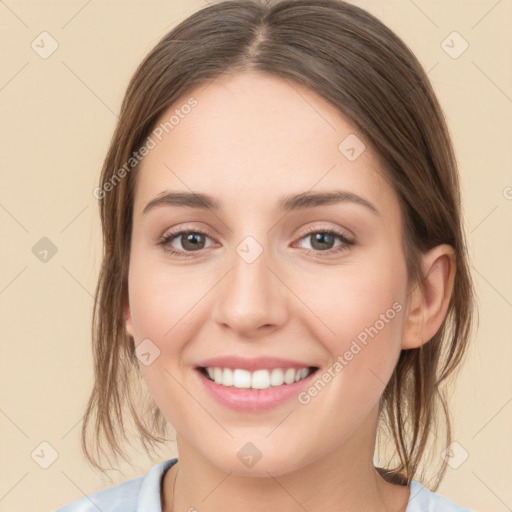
142, 494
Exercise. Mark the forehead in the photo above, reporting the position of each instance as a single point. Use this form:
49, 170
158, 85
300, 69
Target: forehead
251, 136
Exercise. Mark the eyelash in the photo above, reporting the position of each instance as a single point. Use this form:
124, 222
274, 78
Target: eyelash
165, 242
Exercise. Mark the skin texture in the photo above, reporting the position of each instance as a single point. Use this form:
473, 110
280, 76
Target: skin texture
251, 139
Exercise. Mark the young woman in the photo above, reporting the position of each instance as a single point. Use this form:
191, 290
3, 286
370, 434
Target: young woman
284, 266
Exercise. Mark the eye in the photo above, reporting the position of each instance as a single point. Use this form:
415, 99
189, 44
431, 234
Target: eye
190, 241
322, 240
193, 241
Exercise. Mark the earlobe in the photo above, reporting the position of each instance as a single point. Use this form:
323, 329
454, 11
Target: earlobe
430, 298
128, 319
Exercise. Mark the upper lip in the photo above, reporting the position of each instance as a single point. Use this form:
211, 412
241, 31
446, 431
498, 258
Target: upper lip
251, 364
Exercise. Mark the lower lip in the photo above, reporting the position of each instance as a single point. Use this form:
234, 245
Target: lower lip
253, 399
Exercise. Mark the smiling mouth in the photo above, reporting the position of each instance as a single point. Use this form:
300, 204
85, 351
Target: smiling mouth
258, 379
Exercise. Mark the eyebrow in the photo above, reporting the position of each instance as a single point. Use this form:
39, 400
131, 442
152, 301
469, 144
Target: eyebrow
290, 202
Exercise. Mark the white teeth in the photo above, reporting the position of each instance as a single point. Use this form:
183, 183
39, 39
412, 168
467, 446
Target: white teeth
241, 379
289, 376
259, 379
277, 377
227, 377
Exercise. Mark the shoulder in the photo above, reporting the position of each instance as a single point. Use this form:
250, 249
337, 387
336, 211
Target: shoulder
128, 496
423, 500
122, 495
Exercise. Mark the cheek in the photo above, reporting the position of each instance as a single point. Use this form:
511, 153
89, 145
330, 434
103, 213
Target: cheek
355, 302
161, 298
359, 318
162, 307
367, 322
368, 310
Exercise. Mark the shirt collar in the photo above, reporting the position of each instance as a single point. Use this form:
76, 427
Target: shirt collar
149, 493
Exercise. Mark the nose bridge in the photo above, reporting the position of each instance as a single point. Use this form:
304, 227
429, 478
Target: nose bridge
251, 296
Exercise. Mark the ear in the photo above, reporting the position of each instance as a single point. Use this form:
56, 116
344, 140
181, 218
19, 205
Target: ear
429, 300
128, 318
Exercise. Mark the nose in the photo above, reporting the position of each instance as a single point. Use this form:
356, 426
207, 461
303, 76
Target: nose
251, 299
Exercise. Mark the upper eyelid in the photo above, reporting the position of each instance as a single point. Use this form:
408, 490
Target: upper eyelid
206, 231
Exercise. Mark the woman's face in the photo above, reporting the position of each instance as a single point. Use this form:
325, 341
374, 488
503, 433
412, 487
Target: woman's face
260, 287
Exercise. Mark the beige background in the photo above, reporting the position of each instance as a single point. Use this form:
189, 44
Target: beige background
57, 118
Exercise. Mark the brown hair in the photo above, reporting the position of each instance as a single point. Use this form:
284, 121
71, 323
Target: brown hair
350, 58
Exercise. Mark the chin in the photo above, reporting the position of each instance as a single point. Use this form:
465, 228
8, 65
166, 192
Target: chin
252, 461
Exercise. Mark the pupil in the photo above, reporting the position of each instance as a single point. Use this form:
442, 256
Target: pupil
192, 239
322, 238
